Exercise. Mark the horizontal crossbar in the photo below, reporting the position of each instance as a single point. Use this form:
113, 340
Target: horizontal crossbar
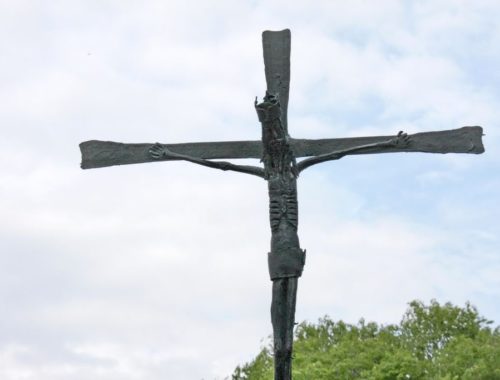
98, 154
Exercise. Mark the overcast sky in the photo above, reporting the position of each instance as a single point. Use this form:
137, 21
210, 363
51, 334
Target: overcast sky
159, 271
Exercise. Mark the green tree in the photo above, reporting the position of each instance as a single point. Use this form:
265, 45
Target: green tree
468, 358
260, 368
425, 330
438, 342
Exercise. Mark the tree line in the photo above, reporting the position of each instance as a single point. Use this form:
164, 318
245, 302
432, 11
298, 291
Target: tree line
432, 342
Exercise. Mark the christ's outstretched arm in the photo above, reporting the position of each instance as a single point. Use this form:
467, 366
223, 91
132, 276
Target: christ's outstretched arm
401, 140
158, 151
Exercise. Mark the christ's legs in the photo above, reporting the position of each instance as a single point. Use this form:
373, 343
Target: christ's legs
286, 262
283, 320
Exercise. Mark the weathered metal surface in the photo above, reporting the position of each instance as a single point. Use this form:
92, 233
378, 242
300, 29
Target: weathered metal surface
276, 47
286, 259
99, 154
461, 140
284, 299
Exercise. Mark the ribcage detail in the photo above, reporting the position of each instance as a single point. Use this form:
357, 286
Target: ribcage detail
283, 208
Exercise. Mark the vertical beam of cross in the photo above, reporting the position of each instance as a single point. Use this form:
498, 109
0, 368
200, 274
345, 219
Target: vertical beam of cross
286, 259
276, 47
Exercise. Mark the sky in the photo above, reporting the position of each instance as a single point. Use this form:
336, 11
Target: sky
159, 271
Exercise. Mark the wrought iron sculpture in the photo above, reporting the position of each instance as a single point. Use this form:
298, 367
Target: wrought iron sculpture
279, 153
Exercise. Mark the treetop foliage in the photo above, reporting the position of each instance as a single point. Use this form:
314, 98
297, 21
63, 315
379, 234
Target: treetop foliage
438, 342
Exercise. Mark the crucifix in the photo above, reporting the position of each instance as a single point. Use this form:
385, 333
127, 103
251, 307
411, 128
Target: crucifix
279, 154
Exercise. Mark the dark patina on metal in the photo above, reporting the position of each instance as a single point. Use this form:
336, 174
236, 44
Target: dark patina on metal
278, 153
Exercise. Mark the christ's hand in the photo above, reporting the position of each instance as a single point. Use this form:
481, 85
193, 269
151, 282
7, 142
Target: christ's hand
401, 140
158, 151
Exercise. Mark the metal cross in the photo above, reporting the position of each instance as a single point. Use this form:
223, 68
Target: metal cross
279, 153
